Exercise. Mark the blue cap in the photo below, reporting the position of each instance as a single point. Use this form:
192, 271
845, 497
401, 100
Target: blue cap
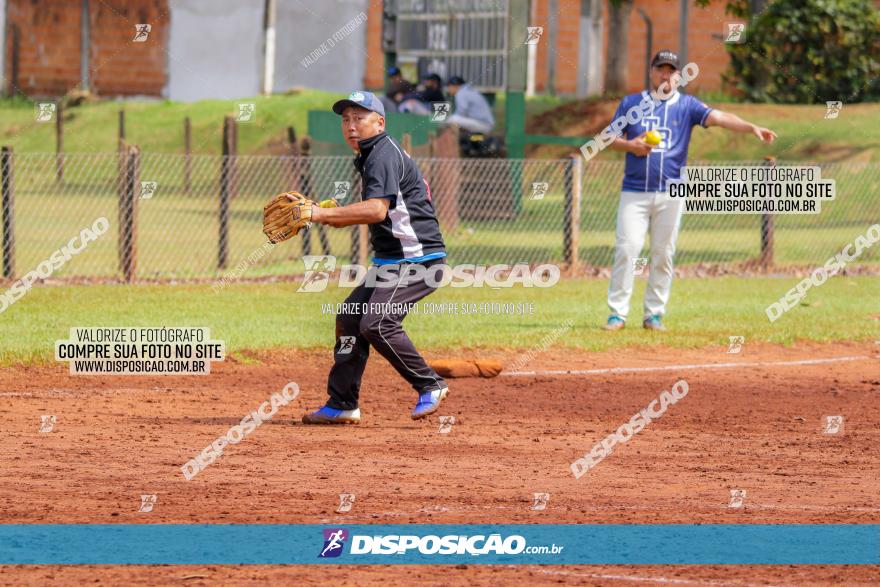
361, 99
393, 71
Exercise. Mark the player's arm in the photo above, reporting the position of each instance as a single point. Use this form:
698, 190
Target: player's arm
381, 178
369, 211
735, 123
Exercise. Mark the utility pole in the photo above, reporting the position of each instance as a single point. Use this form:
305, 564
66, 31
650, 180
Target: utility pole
84, 79
268, 47
683, 32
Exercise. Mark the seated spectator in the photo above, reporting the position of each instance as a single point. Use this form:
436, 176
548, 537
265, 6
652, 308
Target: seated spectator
472, 110
429, 92
398, 87
412, 104
432, 88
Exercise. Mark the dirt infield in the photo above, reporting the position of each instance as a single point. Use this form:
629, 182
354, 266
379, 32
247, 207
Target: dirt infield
757, 428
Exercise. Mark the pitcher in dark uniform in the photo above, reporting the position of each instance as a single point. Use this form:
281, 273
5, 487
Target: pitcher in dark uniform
404, 233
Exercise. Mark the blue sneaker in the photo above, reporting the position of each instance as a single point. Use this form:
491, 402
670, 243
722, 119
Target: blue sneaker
429, 402
327, 415
615, 322
653, 323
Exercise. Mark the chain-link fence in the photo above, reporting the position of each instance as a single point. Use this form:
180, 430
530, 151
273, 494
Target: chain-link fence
174, 217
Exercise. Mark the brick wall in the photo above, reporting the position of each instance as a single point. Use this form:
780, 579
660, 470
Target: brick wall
118, 65
49, 46
48, 62
708, 52
704, 25
374, 74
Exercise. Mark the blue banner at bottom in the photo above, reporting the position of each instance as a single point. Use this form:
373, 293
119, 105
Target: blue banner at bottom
558, 544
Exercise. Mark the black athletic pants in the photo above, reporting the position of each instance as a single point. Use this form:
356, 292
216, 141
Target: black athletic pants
373, 315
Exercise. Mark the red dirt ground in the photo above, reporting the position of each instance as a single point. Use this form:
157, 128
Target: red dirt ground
752, 428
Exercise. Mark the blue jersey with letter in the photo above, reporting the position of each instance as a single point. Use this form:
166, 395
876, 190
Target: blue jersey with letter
673, 119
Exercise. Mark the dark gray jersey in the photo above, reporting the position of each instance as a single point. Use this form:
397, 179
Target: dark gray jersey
411, 231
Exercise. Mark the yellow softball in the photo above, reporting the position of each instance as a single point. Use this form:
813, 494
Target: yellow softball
327, 204
653, 138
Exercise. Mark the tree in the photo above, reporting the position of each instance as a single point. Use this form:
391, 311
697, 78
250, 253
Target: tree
618, 35
809, 51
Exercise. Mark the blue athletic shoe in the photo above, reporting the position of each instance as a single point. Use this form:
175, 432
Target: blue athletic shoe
327, 415
429, 402
615, 322
653, 323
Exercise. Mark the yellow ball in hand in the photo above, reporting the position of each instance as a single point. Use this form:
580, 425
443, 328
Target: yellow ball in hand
653, 138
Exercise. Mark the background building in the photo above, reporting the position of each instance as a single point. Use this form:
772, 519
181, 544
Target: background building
196, 48
214, 48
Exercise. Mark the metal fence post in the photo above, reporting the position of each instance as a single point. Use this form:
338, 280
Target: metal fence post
305, 183
59, 143
360, 233
574, 173
187, 155
14, 66
227, 187
7, 186
291, 170
121, 131
445, 178
767, 229
128, 214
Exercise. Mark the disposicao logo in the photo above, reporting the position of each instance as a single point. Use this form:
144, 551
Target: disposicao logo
334, 541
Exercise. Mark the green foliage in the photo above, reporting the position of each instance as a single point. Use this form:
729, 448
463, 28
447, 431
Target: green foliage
809, 51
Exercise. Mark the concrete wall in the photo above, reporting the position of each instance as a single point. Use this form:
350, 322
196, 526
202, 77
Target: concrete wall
214, 49
304, 26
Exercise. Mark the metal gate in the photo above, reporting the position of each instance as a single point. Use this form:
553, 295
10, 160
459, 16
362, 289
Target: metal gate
467, 38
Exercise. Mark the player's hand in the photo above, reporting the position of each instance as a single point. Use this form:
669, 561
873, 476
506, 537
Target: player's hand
639, 147
765, 134
316, 211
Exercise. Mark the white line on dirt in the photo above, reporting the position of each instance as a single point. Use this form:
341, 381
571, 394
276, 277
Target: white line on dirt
366, 516
638, 579
683, 367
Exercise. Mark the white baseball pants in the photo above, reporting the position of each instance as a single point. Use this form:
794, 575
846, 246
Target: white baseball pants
638, 212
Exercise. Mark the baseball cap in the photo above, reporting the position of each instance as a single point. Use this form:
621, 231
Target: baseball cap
361, 99
393, 71
666, 57
434, 77
455, 81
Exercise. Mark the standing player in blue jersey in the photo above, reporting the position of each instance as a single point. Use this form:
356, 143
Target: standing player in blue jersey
644, 200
